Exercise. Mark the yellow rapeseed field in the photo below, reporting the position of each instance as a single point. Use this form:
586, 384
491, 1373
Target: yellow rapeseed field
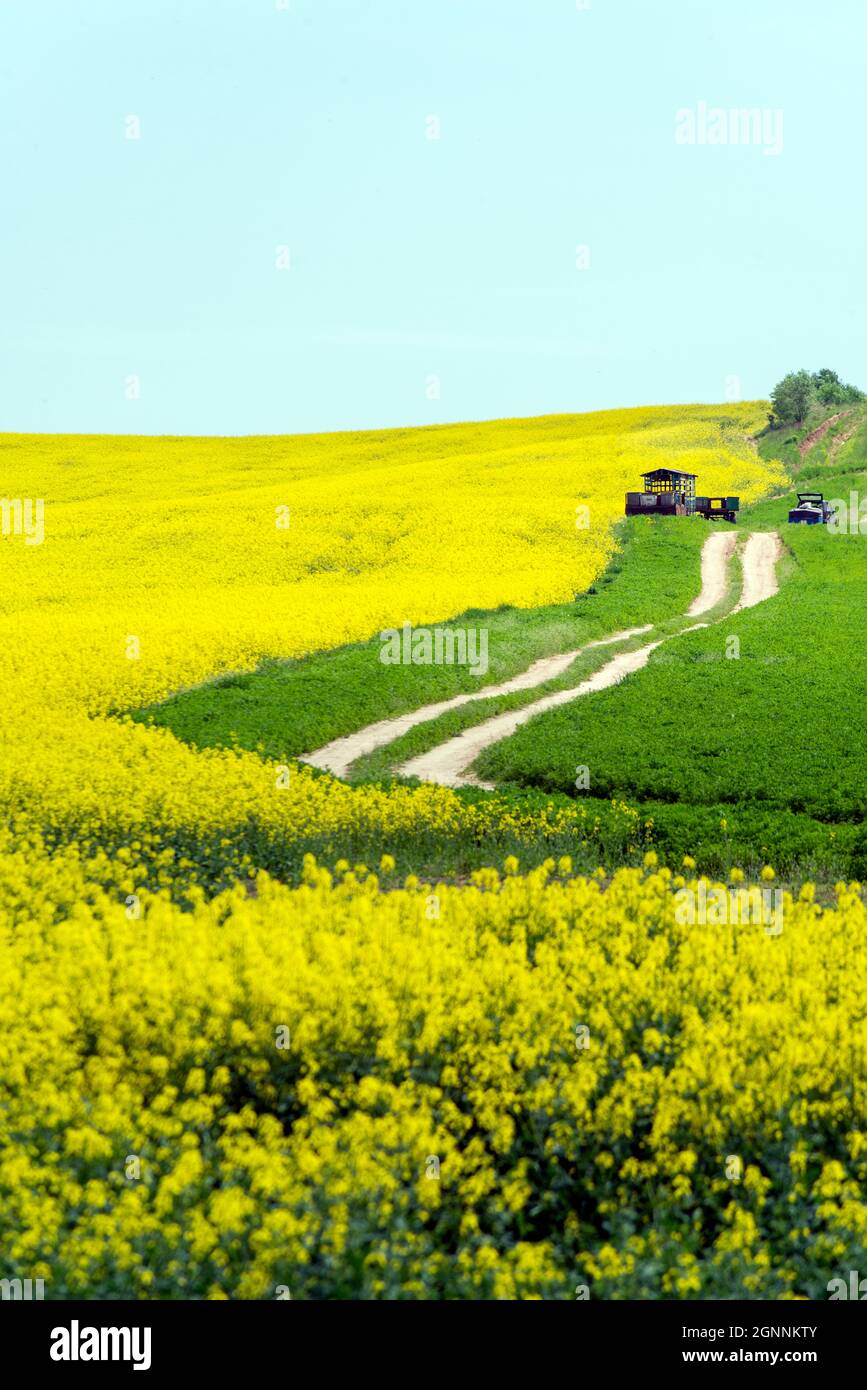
543, 1089
368, 1085
167, 561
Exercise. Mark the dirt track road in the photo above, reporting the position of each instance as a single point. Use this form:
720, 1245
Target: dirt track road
449, 762
339, 755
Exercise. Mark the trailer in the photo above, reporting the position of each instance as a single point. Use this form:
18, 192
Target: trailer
718, 508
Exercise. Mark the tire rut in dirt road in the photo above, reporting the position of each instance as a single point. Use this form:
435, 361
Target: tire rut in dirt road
715, 555
761, 553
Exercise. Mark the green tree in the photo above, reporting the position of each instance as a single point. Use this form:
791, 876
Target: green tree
792, 397
832, 391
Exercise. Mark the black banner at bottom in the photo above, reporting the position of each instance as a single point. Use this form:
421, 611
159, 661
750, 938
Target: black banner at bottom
239, 1339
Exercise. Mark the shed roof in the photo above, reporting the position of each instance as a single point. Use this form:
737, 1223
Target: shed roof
668, 473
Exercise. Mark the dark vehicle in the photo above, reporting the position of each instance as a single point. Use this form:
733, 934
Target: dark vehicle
812, 510
718, 508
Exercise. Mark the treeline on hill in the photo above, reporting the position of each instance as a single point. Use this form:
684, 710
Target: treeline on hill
799, 393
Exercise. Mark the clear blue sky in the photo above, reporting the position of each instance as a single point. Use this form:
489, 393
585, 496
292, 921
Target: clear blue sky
414, 258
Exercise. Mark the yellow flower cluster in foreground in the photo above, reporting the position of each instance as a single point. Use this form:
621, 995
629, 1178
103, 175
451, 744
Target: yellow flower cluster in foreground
168, 561
523, 1086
